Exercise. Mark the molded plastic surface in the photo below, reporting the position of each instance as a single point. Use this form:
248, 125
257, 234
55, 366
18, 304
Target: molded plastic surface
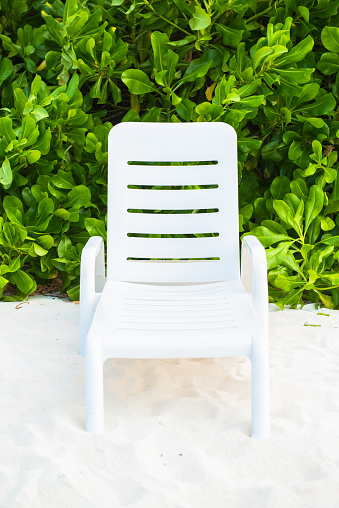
167, 142
162, 297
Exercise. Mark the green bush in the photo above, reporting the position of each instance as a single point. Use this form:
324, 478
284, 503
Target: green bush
69, 71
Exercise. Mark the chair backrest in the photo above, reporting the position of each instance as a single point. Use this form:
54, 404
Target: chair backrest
154, 173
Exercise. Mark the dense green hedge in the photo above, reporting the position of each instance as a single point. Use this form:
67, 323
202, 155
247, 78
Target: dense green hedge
70, 70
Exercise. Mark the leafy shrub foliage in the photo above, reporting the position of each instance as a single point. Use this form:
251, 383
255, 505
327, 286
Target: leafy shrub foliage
70, 70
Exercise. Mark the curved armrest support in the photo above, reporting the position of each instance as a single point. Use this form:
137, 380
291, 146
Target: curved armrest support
92, 281
254, 275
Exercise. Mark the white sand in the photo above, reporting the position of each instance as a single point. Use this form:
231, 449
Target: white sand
177, 431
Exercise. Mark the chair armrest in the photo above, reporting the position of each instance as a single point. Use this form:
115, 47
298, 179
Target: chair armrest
254, 275
92, 281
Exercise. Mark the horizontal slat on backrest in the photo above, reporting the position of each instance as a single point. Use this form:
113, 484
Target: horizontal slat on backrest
172, 142
149, 271
172, 224
172, 248
172, 199
146, 142
169, 175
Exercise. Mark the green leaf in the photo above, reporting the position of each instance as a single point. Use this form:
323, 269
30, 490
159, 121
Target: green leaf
64, 246
6, 129
78, 23
74, 292
44, 142
39, 251
325, 8
10, 46
137, 82
38, 113
182, 42
14, 265
297, 53
284, 212
33, 156
6, 176
29, 130
230, 37
292, 201
196, 69
304, 12
6, 69
327, 300
250, 88
327, 223
331, 240
308, 93
268, 237
23, 281
95, 91
46, 241
12, 202
286, 115
330, 38
3, 282
78, 196
45, 209
19, 7
295, 150
172, 60
287, 283
36, 85
318, 151
279, 187
318, 123
200, 19
260, 55
54, 28
73, 86
71, 8
329, 63
250, 102
63, 180
298, 217
324, 105
223, 89
14, 234
185, 110
63, 213
183, 7
95, 227
77, 136
276, 256
313, 205
299, 188
313, 230
158, 40
295, 75
274, 226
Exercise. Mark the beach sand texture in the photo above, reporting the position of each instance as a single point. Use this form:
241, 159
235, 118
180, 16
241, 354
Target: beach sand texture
177, 431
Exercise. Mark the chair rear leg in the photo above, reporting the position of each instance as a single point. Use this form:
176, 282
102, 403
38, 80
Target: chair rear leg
260, 391
94, 390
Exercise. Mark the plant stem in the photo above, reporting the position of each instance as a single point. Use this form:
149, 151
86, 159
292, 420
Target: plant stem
262, 12
165, 19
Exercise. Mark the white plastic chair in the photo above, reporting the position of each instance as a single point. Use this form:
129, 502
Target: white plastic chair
178, 297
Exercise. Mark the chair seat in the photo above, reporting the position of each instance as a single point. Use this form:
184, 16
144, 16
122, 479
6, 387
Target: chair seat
134, 320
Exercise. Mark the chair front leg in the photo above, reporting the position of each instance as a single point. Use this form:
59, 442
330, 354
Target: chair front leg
94, 387
260, 388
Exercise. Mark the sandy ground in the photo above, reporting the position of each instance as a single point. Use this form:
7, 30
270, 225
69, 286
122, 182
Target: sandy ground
177, 431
